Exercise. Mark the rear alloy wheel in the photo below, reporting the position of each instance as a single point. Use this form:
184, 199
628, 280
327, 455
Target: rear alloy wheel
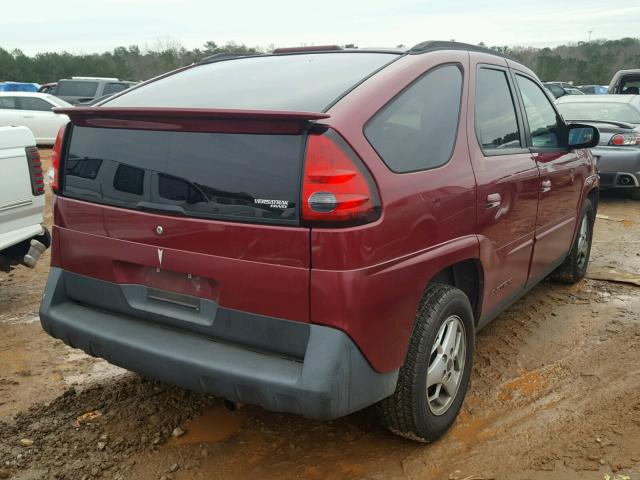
434, 379
575, 265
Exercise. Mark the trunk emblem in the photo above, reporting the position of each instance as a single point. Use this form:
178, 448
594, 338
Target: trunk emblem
159, 230
160, 253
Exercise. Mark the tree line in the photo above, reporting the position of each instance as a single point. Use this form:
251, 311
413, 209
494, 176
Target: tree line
583, 63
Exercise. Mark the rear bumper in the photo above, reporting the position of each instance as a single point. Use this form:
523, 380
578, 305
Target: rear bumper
331, 380
619, 180
14, 237
619, 167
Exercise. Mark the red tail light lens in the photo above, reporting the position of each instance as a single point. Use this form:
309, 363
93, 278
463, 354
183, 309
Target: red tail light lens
621, 139
35, 170
55, 160
337, 189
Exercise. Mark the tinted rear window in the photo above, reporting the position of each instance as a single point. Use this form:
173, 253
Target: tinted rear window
417, 129
243, 177
309, 82
76, 88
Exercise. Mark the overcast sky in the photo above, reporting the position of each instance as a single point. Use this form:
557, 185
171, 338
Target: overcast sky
87, 26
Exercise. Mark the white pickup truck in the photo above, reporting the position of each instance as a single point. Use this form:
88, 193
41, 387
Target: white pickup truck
23, 238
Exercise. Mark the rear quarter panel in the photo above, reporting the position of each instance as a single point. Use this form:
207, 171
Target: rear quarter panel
368, 280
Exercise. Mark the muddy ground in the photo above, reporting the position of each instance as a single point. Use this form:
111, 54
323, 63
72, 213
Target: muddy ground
555, 394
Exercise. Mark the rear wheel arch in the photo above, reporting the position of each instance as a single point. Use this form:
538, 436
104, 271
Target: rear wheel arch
466, 275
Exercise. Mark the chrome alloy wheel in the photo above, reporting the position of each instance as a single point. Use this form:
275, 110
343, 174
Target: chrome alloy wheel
583, 242
446, 365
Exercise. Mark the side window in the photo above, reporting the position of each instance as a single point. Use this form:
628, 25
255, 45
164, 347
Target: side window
417, 129
32, 103
496, 122
556, 90
541, 117
113, 88
8, 103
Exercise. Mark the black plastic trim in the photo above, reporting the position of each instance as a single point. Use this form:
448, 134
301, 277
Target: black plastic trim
208, 319
436, 45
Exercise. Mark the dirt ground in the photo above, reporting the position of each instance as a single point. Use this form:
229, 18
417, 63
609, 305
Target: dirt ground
555, 394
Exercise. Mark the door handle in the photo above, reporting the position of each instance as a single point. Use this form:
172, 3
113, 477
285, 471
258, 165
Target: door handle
545, 186
27, 116
493, 201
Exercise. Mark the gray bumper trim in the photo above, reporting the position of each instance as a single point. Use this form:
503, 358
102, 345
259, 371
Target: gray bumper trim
333, 380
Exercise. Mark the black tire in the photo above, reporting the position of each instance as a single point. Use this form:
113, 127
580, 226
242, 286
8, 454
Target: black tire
408, 412
575, 265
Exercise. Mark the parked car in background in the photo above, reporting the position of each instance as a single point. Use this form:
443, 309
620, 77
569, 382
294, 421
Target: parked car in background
626, 82
593, 89
47, 87
560, 84
84, 89
316, 250
34, 111
573, 91
18, 87
23, 238
560, 89
618, 153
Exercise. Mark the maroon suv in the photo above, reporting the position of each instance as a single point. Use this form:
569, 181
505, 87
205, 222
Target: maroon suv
316, 231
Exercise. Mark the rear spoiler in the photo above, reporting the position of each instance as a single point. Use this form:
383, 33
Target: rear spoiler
192, 119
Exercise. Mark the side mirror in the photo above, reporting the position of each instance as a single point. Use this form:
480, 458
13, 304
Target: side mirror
582, 136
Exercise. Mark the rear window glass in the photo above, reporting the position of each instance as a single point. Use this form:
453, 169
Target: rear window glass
308, 82
417, 129
243, 177
114, 88
73, 88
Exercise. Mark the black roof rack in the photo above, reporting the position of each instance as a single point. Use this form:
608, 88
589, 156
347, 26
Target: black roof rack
218, 57
434, 45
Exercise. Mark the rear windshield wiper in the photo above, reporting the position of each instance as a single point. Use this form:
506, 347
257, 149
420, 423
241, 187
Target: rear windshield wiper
161, 207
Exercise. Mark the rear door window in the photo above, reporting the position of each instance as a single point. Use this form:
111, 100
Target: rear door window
37, 104
496, 121
242, 177
8, 103
417, 129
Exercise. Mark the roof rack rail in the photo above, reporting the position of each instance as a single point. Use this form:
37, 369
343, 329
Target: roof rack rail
313, 48
218, 57
433, 45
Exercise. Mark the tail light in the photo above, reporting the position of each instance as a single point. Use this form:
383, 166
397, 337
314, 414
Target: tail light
55, 160
337, 189
35, 170
624, 139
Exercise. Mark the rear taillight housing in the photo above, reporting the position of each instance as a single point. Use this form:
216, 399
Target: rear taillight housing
55, 160
624, 139
35, 170
337, 189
